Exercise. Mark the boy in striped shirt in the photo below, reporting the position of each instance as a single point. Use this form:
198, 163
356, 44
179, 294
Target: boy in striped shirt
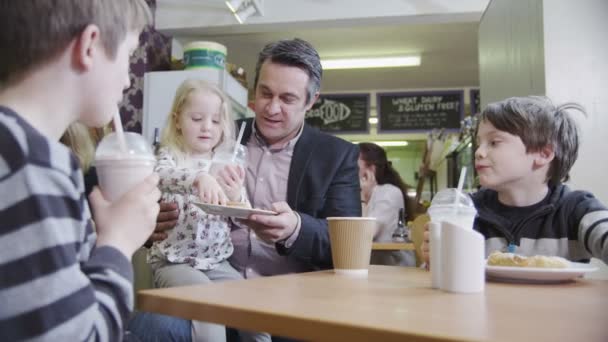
61, 279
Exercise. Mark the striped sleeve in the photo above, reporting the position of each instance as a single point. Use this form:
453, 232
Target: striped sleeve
54, 284
592, 225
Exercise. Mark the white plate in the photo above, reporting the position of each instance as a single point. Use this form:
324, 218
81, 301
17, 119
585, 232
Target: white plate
538, 275
229, 211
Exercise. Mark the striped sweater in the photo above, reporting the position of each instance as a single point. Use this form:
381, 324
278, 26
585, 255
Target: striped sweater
54, 284
570, 224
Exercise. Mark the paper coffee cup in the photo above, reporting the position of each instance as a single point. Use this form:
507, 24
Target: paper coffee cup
120, 168
351, 244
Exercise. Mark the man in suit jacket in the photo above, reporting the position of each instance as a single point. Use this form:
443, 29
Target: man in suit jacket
301, 173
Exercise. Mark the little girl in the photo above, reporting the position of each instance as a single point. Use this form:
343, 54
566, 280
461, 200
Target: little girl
197, 249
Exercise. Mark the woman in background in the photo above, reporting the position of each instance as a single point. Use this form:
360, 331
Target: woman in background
383, 193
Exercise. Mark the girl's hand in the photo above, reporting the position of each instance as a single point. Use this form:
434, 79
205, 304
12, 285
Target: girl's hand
231, 178
209, 191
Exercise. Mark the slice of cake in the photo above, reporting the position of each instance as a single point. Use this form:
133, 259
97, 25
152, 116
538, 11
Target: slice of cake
497, 258
239, 204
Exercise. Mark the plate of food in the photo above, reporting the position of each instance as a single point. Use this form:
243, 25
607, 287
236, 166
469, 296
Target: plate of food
534, 269
233, 209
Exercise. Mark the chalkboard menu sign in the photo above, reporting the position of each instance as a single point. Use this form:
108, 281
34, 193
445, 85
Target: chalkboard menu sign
340, 113
420, 111
475, 101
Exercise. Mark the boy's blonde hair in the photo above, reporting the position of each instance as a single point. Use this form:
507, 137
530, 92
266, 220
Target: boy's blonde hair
539, 123
33, 32
171, 136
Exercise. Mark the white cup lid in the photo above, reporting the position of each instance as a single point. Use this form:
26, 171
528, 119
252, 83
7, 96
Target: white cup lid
136, 145
452, 198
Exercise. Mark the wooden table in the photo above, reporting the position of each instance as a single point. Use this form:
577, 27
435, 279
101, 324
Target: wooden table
393, 246
392, 304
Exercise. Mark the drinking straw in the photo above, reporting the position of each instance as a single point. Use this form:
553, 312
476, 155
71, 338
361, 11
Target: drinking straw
463, 173
119, 132
238, 141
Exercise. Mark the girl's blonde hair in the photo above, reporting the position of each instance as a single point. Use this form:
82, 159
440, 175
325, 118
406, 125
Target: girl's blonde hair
172, 138
82, 141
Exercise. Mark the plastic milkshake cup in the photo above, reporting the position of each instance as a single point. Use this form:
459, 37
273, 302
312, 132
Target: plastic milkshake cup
120, 168
455, 207
226, 155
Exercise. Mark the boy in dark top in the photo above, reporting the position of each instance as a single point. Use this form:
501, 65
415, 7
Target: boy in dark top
526, 148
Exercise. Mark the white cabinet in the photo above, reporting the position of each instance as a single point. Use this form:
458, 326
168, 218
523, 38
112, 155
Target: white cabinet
160, 87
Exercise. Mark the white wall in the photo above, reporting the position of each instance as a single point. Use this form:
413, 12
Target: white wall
576, 69
511, 50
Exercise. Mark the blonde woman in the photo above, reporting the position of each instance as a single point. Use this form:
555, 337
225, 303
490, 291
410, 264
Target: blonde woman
82, 141
197, 249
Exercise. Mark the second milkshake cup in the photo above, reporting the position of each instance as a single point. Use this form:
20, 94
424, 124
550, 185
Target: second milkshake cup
455, 207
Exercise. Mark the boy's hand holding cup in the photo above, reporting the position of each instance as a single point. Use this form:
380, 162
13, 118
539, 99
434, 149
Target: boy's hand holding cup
126, 208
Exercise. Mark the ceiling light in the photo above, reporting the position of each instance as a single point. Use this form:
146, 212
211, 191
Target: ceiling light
243, 9
387, 143
373, 120
375, 62
242, 15
234, 5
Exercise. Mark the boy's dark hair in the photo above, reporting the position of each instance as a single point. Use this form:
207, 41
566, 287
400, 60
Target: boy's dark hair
539, 123
34, 31
294, 52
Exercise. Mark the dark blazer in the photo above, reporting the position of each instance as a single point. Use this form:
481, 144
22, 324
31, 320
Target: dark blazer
323, 182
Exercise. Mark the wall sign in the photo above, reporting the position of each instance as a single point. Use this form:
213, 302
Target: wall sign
340, 113
420, 111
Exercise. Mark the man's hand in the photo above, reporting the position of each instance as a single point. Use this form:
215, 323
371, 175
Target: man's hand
166, 220
274, 228
231, 179
426, 256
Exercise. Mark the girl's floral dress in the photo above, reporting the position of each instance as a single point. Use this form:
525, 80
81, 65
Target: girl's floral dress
198, 239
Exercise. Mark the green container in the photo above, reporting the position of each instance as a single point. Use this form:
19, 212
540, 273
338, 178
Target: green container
204, 55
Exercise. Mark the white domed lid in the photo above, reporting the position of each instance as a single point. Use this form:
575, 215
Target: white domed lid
452, 197
135, 147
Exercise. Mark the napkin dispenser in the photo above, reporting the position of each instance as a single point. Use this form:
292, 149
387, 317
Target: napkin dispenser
461, 258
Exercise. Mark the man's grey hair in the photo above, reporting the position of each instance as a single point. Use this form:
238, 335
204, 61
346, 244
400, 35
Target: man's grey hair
297, 53
539, 123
